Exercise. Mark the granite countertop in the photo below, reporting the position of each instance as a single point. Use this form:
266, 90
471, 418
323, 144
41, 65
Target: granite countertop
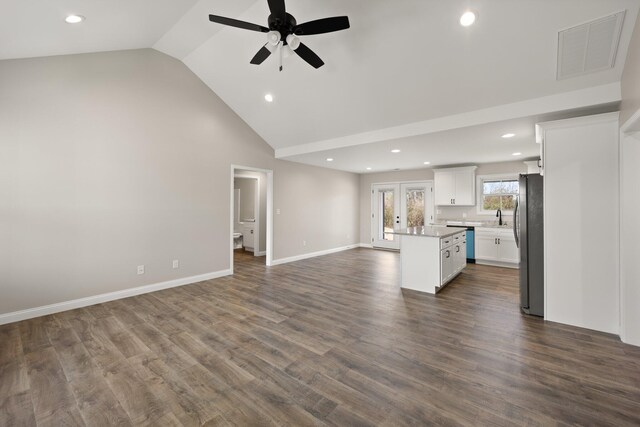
477, 224
429, 231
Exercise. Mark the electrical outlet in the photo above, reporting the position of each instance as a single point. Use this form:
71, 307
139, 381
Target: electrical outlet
141, 269
438, 211
277, 211
304, 243
348, 236
176, 263
464, 214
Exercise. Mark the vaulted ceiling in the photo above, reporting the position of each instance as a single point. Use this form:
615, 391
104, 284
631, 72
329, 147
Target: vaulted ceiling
406, 72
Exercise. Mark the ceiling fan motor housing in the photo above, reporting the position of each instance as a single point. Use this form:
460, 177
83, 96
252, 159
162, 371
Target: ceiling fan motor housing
283, 26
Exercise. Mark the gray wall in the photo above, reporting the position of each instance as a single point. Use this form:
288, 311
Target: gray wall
112, 160
631, 78
442, 213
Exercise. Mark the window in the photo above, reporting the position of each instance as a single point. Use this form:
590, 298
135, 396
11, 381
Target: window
497, 193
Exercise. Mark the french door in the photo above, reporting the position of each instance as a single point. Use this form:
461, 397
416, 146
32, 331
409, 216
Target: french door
396, 206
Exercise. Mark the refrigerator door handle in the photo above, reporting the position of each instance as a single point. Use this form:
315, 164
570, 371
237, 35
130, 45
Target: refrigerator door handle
515, 225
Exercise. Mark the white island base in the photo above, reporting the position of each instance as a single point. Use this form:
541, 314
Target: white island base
430, 257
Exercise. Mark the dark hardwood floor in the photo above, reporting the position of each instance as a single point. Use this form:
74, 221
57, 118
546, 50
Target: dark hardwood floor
330, 340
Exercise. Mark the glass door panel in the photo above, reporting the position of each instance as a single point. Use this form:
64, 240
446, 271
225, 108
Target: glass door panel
398, 206
385, 218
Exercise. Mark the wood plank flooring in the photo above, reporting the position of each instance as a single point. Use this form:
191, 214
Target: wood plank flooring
326, 341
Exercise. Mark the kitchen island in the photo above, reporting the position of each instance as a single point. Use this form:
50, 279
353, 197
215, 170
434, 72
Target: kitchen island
430, 257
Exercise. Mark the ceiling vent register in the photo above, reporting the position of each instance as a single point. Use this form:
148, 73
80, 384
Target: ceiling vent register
589, 47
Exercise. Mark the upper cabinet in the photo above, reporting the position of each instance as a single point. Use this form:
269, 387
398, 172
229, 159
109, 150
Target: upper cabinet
455, 186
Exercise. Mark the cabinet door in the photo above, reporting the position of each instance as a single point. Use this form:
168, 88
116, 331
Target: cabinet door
507, 249
486, 247
465, 188
457, 257
444, 188
446, 265
247, 237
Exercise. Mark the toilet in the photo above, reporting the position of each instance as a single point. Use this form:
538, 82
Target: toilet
237, 240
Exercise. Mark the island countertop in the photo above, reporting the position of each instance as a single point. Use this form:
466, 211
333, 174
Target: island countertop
429, 231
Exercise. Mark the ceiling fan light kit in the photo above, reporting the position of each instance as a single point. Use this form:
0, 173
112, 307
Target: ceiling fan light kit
283, 32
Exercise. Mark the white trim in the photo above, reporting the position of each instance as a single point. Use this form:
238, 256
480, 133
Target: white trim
592, 96
479, 194
313, 254
365, 245
261, 253
498, 264
44, 310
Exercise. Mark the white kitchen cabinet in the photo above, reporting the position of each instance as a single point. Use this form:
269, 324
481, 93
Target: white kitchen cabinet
507, 249
496, 246
455, 186
431, 259
446, 265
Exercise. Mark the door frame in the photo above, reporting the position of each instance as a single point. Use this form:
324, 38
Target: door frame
399, 186
269, 184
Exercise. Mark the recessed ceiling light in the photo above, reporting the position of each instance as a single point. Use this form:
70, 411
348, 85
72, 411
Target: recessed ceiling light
74, 19
427, 163
467, 18
508, 135
517, 154
368, 169
395, 151
268, 97
329, 159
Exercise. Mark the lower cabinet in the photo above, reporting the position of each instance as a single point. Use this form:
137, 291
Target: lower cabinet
496, 245
453, 258
248, 236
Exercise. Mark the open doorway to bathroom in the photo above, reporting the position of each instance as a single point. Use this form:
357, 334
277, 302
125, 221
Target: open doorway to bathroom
251, 219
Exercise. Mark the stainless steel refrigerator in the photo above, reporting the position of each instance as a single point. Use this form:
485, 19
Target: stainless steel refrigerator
528, 230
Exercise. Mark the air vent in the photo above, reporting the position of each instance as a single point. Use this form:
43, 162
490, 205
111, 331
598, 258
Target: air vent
589, 47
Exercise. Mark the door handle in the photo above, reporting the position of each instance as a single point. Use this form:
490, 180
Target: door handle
498, 240
457, 249
448, 254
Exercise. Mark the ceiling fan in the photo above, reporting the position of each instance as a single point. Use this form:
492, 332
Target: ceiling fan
283, 31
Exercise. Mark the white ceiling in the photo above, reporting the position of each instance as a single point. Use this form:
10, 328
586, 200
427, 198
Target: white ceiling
406, 72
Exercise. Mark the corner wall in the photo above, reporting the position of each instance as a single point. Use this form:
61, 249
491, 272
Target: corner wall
630, 84
113, 160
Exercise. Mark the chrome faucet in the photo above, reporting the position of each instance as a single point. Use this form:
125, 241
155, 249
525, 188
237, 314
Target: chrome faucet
499, 215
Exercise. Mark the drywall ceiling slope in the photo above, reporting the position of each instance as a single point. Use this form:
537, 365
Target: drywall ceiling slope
402, 62
33, 28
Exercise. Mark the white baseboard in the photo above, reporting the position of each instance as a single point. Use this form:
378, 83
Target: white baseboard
497, 264
366, 245
44, 310
261, 253
313, 254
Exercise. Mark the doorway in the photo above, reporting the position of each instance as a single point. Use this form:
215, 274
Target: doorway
399, 205
251, 216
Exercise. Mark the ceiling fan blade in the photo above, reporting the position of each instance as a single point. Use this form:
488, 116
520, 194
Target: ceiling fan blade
321, 26
238, 24
261, 55
277, 8
308, 55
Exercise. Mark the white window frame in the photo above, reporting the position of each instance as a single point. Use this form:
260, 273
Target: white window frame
479, 187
